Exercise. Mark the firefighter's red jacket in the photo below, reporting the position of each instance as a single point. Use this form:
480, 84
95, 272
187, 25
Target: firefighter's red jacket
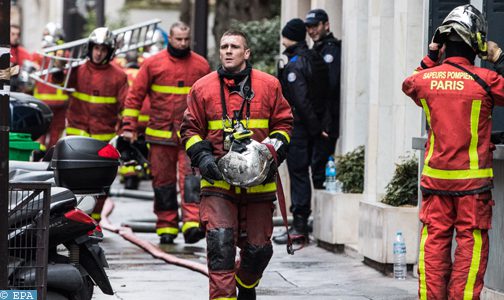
269, 113
94, 108
18, 55
458, 156
51, 96
166, 80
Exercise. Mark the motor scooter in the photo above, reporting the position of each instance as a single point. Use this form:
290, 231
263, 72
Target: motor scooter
79, 169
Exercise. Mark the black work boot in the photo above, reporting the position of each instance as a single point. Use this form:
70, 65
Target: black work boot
298, 231
167, 238
193, 235
246, 294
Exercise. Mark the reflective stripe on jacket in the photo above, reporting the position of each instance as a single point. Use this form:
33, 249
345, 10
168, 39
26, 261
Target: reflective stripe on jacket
458, 156
166, 80
269, 113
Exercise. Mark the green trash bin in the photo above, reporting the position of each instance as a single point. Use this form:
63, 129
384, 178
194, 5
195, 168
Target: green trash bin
21, 146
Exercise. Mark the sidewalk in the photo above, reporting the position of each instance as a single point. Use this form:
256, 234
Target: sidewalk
312, 273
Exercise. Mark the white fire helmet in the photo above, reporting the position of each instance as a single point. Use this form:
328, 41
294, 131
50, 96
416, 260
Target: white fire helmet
469, 24
102, 36
246, 164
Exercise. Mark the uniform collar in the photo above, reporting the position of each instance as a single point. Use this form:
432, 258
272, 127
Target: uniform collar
295, 49
460, 60
97, 67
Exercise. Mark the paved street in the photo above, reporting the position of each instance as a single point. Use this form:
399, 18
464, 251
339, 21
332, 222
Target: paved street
312, 273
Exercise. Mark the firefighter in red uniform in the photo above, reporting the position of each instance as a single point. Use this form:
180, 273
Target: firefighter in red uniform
457, 98
18, 53
166, 79
57, 99
100, 91
234, 216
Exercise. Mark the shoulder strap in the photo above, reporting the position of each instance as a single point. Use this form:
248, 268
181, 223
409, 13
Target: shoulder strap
478, 79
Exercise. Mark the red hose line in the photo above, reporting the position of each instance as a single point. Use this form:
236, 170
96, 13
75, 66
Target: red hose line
152, 249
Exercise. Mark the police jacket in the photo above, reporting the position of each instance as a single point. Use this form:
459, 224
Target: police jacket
329, 49
94, 107
306, 100
458, 156
203, 120
166, 80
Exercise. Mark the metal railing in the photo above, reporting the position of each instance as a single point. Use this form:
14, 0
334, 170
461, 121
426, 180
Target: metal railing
28, 236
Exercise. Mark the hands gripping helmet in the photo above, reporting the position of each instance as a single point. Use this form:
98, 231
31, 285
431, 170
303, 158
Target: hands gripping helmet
102, 36
467, 22
52, 35
248, 162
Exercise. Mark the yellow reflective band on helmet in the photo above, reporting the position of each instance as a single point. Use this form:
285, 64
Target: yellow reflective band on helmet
263, 188
249, 286
143, 118
421, 264
431, 142
475, 263
285, 134
168, 89
167, 230
473, 146
457, 174
158, 133
217, 183
129, 112
97, 136
482, 46
126, 170
188, 225
252, 123
94, 99
59, 96
192, 140
96, 216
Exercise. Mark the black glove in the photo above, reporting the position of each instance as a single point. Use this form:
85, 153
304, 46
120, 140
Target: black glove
202, 158
271, 173
209, 169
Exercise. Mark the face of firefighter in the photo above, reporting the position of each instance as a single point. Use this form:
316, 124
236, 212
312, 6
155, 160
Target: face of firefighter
316, 32
15, 36
99, 53
180, 39
233, 54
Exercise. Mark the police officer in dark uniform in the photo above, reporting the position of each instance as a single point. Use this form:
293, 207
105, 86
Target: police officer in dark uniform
304, 83
317, 25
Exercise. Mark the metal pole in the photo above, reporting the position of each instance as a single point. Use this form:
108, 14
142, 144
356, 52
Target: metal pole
200, 27
4, 135
100, 13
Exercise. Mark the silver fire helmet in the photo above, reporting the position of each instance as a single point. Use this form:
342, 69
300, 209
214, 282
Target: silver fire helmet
468, 23
52, 35
102, 36
246, 164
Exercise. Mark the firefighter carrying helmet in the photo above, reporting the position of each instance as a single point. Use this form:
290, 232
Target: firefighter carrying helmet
469, 24
246, 164
102, 36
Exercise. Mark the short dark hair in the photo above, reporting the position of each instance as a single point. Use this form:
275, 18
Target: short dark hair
238, 33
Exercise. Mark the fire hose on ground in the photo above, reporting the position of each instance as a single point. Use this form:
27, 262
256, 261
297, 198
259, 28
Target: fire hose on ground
155, 251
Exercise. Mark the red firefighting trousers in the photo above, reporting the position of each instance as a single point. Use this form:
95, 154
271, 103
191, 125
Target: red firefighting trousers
56, 128
165, 162
471, 217
234, 222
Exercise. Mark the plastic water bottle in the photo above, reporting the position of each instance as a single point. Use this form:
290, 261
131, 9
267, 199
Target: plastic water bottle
331, 183
399, 257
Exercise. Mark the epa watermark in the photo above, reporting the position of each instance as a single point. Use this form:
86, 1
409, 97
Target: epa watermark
18, 294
